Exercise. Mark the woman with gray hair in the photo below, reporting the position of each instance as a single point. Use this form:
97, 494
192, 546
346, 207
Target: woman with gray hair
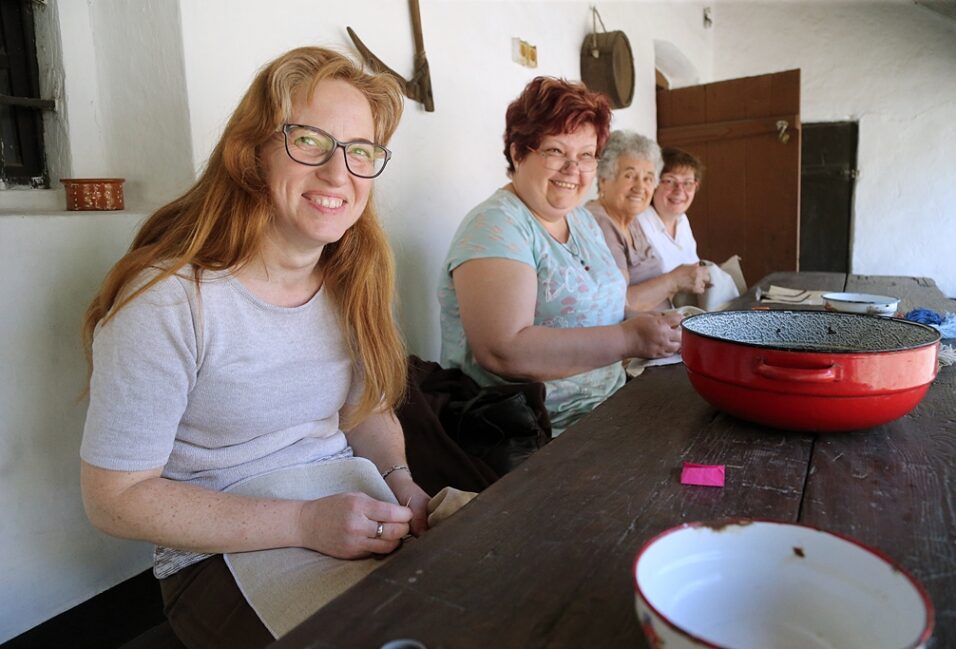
628, 173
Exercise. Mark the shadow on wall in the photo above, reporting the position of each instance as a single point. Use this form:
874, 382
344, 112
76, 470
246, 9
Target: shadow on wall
418, 314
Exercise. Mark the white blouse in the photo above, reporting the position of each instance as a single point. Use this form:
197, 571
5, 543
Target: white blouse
673, 251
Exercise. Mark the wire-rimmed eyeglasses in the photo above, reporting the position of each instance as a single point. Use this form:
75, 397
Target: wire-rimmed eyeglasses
314, 147
670, 183
556, 161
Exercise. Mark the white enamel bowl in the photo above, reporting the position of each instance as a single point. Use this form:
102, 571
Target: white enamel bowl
861, 303
763, 584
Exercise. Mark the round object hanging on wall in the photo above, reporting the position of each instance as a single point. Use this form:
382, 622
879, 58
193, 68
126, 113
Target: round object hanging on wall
607, 65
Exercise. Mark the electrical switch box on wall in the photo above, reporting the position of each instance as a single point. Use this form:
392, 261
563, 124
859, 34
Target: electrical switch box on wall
524, 53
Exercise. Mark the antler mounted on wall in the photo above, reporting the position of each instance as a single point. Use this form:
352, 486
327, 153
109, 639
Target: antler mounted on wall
419, 87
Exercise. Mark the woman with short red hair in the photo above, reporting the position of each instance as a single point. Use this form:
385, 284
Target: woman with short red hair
530, 290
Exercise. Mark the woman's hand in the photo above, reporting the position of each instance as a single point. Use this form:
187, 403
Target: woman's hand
412, 496
653, 335
380, 439
690, 278
346, 525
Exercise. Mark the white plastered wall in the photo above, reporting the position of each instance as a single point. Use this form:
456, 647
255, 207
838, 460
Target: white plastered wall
51, 558
891, 65
123, 97
121, 112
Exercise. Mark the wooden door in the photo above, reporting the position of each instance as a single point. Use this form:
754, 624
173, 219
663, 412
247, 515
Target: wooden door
749, 201
828, 174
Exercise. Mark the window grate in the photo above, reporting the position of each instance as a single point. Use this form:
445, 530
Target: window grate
22, 161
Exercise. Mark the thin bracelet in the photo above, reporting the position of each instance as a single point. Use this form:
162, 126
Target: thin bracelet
397, 467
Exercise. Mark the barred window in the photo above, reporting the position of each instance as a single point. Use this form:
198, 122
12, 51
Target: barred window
22, 162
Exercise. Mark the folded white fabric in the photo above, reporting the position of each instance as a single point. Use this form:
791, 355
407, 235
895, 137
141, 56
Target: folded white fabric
636, 366
445, 503
286, 585
732, 268
724, 286
947, 355
783, 295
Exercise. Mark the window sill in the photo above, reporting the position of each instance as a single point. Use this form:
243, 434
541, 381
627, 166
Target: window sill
50, 202
30, 201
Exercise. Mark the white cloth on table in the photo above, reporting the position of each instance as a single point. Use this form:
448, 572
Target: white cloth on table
724, 287
793, 296
284, 586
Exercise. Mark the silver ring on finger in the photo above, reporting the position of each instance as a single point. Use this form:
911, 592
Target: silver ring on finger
380, 530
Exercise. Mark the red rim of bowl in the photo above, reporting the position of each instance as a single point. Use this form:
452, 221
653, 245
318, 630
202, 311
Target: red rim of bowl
927, 602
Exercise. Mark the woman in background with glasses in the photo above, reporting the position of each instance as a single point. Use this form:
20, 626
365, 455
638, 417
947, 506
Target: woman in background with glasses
530, 291
627, 178
248, 330
665, 223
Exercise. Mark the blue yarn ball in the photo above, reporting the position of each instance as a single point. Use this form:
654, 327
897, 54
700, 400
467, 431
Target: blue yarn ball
924, 316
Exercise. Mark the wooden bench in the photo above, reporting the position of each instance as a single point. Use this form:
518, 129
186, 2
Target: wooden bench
160, 636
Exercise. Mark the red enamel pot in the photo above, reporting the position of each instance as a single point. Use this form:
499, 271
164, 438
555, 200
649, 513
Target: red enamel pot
810, 370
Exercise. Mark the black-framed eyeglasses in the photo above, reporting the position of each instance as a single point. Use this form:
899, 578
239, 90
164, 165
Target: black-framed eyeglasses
314, 147
556, 161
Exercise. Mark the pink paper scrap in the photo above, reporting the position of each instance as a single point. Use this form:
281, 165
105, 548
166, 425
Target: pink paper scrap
703, 475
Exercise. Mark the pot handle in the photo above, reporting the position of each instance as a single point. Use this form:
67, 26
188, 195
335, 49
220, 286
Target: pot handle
826, 374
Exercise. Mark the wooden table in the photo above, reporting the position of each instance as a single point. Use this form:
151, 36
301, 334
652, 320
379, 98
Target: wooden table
543, 557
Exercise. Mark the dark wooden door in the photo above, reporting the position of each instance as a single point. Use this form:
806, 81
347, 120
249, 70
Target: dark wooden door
828, 174
747, 134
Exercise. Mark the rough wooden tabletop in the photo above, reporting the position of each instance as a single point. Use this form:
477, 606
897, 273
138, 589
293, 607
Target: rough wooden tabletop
543, 558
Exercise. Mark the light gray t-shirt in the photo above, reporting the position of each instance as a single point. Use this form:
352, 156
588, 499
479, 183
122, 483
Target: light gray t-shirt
216, 386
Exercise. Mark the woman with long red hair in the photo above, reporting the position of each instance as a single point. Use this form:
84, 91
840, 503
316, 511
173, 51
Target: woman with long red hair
249, 329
